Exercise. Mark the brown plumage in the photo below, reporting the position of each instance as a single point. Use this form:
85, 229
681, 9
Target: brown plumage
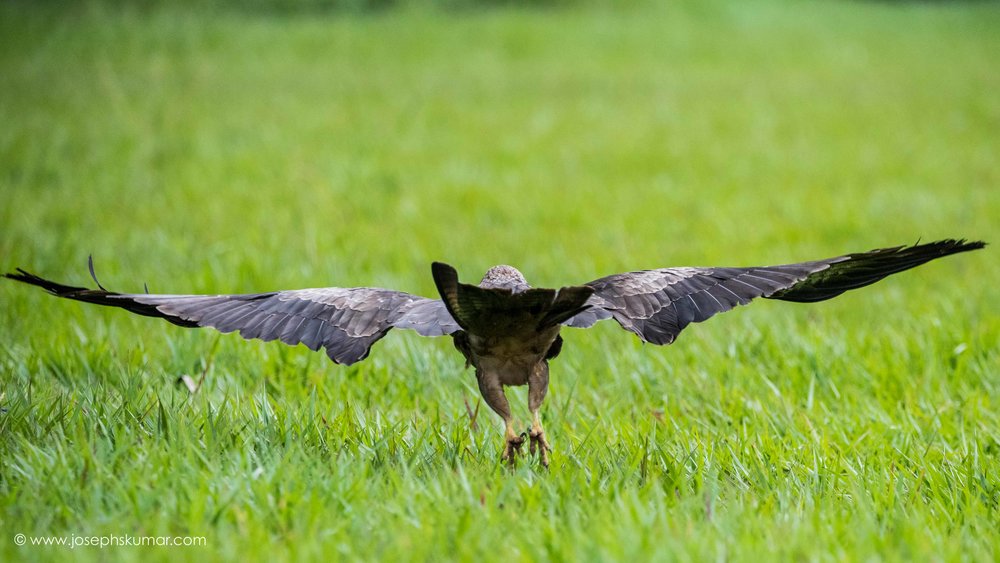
505, 329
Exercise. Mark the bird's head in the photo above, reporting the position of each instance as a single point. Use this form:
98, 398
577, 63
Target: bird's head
505, 277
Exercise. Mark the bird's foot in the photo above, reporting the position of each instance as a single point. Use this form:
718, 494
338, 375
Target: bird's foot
541, 445
513, 448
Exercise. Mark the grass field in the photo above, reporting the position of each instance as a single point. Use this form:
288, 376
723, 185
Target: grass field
226, 151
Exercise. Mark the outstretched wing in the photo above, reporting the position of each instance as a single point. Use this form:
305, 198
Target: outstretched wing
657, 304
344, 321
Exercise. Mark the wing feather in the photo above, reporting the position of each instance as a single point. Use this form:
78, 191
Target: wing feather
657, 304
344, 321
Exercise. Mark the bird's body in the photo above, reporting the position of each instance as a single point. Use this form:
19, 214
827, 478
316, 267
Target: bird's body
516, 347
505, 329
510, 359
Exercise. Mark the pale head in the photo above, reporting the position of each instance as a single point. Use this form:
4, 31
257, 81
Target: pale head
505, 277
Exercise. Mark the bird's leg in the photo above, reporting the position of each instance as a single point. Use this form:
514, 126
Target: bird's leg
538, 441
514, 442
492, 391
538, 385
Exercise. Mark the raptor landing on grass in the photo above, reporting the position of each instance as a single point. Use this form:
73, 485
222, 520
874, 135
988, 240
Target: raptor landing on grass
507, 330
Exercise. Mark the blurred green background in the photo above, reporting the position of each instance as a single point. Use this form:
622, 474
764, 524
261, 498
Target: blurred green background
237, 147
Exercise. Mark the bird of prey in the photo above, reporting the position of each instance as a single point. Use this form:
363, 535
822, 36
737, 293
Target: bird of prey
507, 330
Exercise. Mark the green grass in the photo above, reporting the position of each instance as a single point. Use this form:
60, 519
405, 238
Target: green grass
229, 152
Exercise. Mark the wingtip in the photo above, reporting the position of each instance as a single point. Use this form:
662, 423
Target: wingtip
952, 246
942, 247
21, 275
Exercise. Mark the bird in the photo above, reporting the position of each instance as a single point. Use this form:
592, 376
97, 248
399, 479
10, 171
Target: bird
507, 330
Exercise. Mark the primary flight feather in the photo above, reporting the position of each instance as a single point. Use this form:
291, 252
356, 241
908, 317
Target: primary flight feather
503, 327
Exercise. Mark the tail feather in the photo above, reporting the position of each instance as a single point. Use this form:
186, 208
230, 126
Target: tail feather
568, 302
496, 311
